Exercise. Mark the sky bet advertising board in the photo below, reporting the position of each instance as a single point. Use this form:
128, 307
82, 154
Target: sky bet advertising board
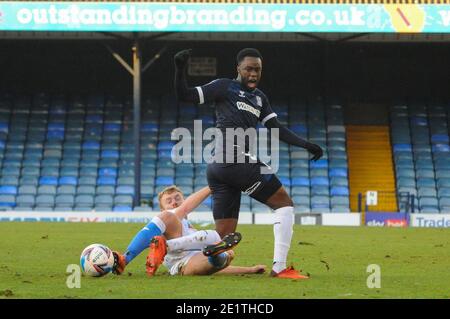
387, 219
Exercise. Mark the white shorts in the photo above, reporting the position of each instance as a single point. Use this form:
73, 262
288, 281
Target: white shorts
175, 268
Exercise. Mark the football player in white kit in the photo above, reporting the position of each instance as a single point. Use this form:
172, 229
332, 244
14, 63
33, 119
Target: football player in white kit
181, 248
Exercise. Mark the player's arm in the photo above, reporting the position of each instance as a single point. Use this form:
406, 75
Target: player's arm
184, 93
238, 270
207, 93
269, 119
192, 202
289, 137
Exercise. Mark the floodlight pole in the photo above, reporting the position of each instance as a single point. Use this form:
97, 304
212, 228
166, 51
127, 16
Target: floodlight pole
137, 119
136, 72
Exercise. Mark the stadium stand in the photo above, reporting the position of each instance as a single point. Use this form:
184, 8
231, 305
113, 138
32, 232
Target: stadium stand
76, 153
420, 142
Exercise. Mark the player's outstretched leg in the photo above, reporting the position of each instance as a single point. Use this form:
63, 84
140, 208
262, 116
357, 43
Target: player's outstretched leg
227, 243
156, 254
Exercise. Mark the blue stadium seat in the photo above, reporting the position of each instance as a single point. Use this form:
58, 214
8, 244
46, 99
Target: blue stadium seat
68, 180
402, 148
110, 154
439, 139
107, 172
25, 201
426, 192
106, 180
7, 201
164, 180
66, 190
321, 163
319, 181
122, 208
91, 145
123, 200
64, 200
285, 181
300, 181
48, 180
112, 127
8, 190
445, 148
339, 191
320, 190
104, 200
338, 172
125, 190
45, 200
149, 128
84, 200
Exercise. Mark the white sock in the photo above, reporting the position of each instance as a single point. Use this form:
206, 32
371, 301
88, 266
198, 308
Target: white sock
282, 230
197, 240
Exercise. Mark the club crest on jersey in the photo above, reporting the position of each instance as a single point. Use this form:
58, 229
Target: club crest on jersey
241, 94
258, 100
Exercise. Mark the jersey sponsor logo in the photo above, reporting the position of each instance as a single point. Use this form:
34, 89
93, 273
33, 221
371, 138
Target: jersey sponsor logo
245, 107
241, 94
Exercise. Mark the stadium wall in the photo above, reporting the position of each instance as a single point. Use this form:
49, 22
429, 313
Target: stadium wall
326, 219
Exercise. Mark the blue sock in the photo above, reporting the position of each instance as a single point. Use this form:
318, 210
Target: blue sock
142, 240
218, 261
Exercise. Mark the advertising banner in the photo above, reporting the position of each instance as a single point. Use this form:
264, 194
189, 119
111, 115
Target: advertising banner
386, 219
216, 17
430, 220
202, 218
341, 219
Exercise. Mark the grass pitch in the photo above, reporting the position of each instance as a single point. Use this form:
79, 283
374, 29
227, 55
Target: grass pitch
414, 263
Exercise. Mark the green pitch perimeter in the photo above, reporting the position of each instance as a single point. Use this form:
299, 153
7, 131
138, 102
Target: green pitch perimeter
414, 263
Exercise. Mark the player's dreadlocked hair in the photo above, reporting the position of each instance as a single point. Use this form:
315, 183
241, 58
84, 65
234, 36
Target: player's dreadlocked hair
247, 52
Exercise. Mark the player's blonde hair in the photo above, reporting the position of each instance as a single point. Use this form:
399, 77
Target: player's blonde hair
168, 190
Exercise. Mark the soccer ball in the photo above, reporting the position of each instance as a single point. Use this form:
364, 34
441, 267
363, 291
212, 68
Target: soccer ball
96, 260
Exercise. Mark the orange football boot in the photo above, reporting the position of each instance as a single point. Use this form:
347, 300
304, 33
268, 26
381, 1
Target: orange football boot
156, 254
289, 273
119, 263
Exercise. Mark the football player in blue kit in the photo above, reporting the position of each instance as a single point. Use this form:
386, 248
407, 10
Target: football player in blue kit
240, 104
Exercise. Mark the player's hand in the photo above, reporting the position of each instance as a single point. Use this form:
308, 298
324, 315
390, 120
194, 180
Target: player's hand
259, 269
181, 58
316, 151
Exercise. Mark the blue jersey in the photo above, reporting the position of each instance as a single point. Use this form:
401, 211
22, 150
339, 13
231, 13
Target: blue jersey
236, 106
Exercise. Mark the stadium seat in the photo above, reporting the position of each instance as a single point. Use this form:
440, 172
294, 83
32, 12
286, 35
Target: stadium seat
104, 200
64, 200
339, 191
123, 200
84, 200
25, 201
45, 200
8, 190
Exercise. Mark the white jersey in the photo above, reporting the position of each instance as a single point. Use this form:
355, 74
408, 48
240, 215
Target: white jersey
173, 257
